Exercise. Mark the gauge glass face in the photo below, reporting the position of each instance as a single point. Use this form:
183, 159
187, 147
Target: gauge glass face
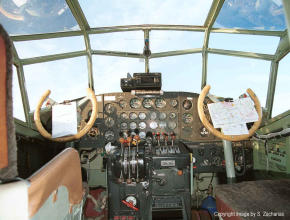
153, 115
110, 108
171, 125
160, 103
187, 118
123, 104
147, 103
142, 125
133, 125
124, 116
133, 116
142, 135
135, 103
172, 115
187, 104
142, 116
124, 126
174, 103
162, 115
109, 122
109, 135
153, 125
162, 124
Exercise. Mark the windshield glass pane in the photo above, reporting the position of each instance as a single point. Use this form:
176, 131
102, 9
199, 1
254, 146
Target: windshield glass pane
232, 76
282, 93
18, 111
122, 41
255, 14
36, 16
241, 42
179, 73
109, 70
130, 12
36, 48
67, 79
161, 41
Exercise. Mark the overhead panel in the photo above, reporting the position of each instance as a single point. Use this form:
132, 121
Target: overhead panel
103, 13
36, 17
253, 15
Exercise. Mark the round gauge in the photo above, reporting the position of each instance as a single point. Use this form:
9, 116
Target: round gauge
172, 115
171, 125
147, 103
153, 115
142, 116
110, 108
133, 116
187, 118
153, 125
109, 135
162, 115
162, 124
187, 104
124, 126
160, 103
132, 200
135, 103
124, 116
174, 103
142, 135
123, 104
109, 122
133, 125
142, 125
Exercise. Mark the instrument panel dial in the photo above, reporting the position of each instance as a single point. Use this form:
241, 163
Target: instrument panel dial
142, 116
153, 115
123, 104
124, 116
148, 103
172, 115
162, 115
142, 125
110, 108
172, 125
133, 116
124, 126
153, 125
160, 103
174, 103
109, 122
135, 103
109, 135
162, 124
187, 104
187, 118
133, 125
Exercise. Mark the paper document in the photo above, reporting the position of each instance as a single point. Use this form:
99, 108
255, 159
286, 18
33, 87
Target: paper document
64, 120
240, 111
237, 129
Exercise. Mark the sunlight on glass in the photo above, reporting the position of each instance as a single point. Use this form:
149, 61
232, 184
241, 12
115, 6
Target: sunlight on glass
18, 111
232, 76
130, 12
179, 73
241, 42
109, 70
67, 79
35, 17
282, 93
36, 48
161, 41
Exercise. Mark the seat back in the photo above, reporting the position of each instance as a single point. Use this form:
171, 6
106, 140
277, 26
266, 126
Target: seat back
63, 170
8, 155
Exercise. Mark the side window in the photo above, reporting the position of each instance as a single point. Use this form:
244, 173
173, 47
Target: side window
18, 111
282, 93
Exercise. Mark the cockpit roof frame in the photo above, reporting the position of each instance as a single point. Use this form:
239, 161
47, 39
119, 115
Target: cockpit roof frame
207, 28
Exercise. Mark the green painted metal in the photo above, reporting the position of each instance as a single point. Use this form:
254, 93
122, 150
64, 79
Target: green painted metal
146, 36
204, 58
47, 58
117, 53
271, 88
213, 13
242, 54
249, 32
286, 4
175, 53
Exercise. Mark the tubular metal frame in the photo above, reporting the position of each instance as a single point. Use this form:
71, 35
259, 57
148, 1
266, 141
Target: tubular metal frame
85, 30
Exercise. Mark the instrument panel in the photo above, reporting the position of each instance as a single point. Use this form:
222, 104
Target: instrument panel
124, 114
